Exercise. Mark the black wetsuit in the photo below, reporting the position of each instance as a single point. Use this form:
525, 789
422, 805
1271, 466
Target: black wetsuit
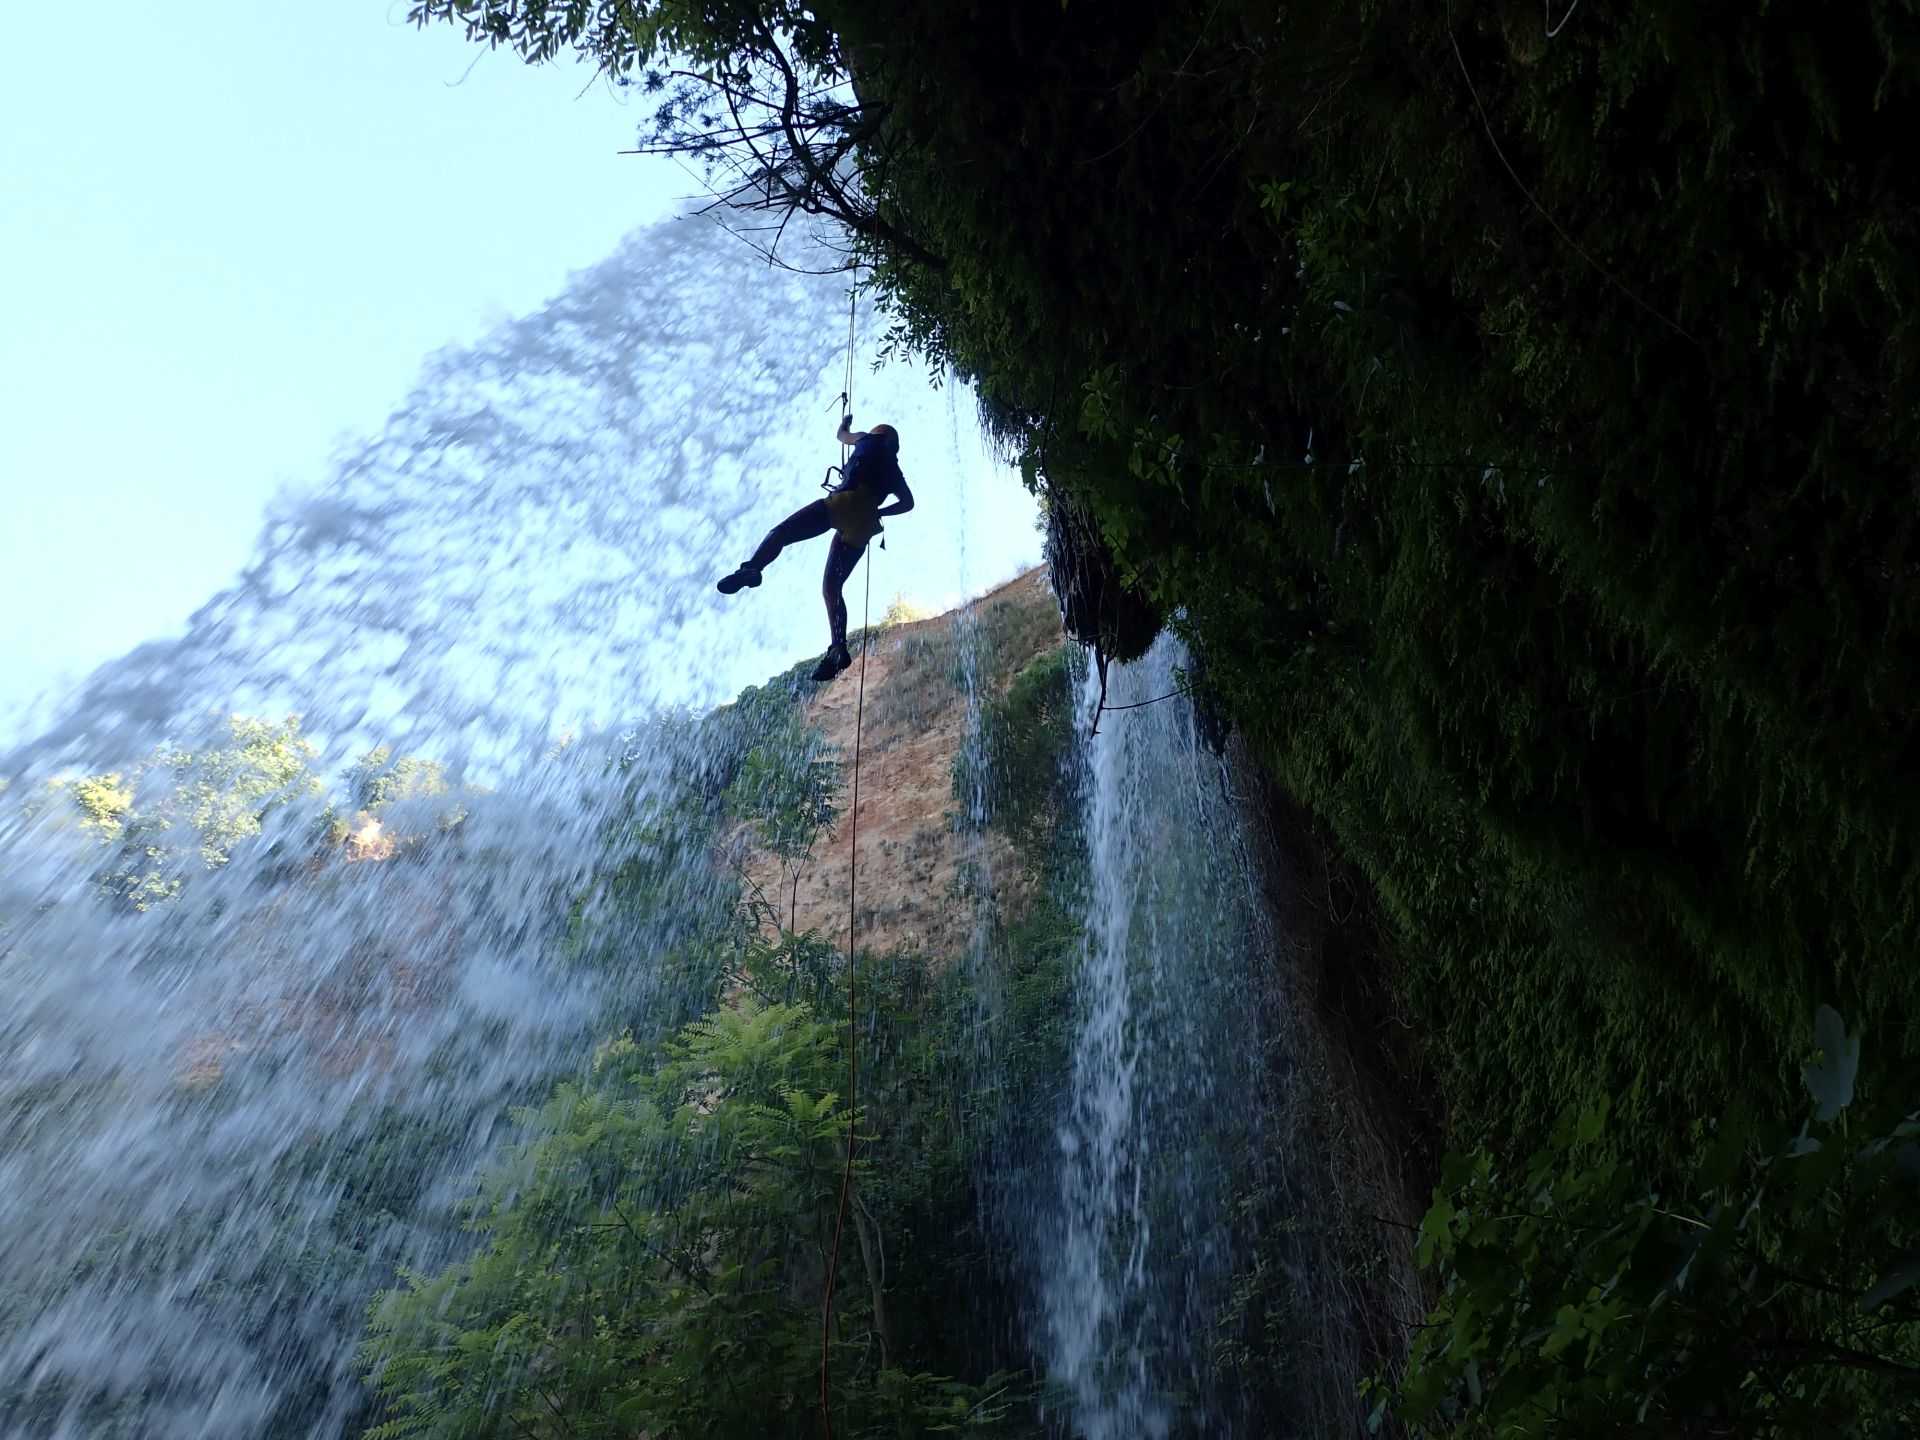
869, 477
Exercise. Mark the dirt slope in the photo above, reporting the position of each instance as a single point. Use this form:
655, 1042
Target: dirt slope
912, 863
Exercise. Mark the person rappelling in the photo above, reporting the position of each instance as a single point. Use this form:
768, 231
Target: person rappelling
853, 511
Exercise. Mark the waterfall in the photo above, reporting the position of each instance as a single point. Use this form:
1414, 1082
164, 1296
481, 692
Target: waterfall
250, 1060
254, 1051
1133, 1246
230, 1117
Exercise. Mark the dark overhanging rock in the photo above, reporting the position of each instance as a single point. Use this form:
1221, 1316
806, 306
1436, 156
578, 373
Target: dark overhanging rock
1097, 606
1211, 722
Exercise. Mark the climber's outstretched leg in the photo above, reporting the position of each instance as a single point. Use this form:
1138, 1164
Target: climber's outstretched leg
841, 559
805, 523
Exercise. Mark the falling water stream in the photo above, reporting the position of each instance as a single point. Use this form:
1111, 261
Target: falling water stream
229, 1115
1136, 1238
237, 1100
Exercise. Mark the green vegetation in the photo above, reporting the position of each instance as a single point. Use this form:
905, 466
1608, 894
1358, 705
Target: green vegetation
1020, 769
981, 650
178, 811
1772, 1294
902, 611
785, 792
1516, 414
152, 831
211, 799
654, 1258
1580, 606
655, 1261
1589, 640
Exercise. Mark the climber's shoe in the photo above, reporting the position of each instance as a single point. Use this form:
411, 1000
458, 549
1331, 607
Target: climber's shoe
832, 663
746, 575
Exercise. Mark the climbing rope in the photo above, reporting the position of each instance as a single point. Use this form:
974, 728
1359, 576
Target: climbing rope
853, 1018
845, 402
1107, 709
1103, 708
846, 394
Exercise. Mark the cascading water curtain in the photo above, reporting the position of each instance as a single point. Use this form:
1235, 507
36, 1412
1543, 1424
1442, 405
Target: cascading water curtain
271, 991
1133, 1246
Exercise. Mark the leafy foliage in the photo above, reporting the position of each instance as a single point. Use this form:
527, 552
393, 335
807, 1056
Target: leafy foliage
1520, 428
180, 810
1517, 416
1379, 358
1771, 1295
1021, 768
902, 611
379, 779
655, 1258
751, 93
213, 798
225, 791
785, 788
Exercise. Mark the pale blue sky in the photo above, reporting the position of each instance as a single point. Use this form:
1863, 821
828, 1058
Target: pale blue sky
230, 233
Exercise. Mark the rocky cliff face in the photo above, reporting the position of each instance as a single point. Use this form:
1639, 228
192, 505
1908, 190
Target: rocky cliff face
915, 864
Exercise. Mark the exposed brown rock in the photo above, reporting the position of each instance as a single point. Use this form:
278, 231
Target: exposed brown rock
912, 860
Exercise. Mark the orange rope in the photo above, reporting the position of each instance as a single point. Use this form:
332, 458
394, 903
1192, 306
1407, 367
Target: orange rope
853, 1018
853, 1021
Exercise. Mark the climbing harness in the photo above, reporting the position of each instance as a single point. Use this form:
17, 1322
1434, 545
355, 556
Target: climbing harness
853, 1018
